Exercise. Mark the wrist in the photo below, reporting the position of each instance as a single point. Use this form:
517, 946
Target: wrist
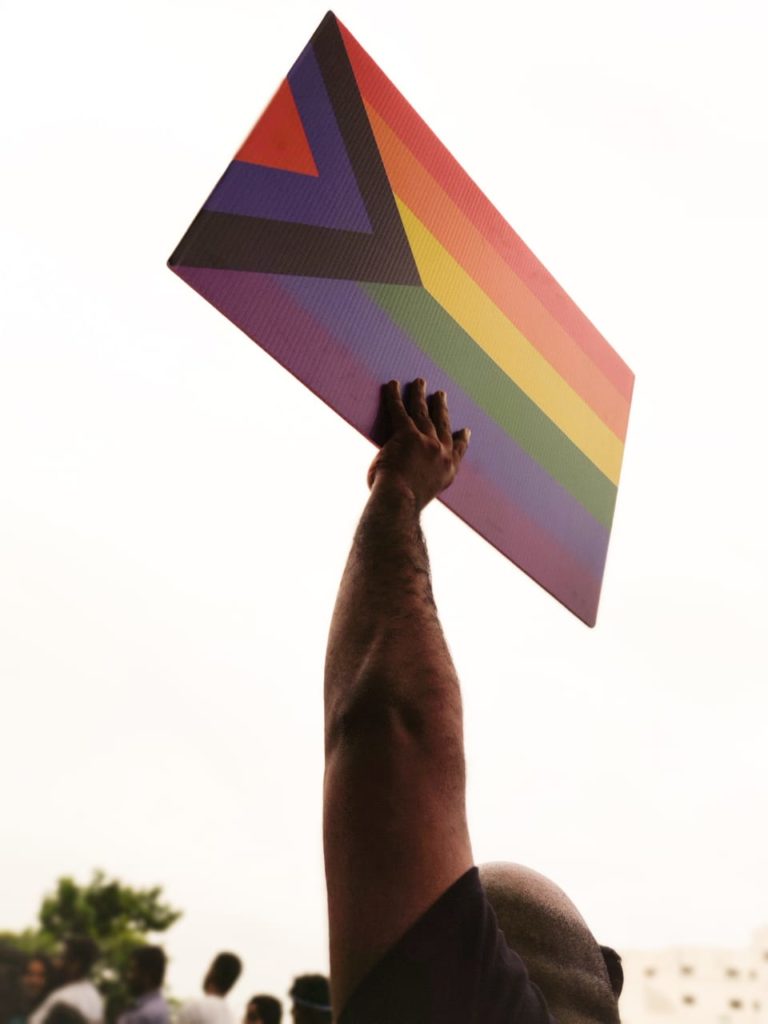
393, 489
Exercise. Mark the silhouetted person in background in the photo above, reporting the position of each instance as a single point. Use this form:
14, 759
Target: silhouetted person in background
27, 981
76, 991
413, 934
144, 977
211, 1008
10, 995
35, 981
263, 1010
311, 995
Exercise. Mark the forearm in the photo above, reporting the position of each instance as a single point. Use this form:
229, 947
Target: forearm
386, 650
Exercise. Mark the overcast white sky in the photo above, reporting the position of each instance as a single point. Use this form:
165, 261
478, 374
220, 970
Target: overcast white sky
176, 509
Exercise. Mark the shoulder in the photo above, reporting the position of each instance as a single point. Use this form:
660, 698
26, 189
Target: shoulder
158, 1008
153, 1010
189, 1012
452, 966
90, 1001
204, 1010
82, 996
219, 1011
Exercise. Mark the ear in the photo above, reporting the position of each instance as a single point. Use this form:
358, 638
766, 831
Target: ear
614, 968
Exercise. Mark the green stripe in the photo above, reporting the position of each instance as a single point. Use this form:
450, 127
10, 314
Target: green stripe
439, 336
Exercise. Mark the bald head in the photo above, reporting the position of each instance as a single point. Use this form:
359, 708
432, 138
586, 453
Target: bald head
546, 930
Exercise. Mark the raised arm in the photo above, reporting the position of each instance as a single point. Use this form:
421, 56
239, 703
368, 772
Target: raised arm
395, 824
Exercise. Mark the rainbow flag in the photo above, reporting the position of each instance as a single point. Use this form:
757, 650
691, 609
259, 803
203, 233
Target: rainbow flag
347, 242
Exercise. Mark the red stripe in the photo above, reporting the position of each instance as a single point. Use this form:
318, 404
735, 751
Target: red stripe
379, 91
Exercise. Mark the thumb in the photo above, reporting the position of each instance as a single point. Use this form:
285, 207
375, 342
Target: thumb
460, 443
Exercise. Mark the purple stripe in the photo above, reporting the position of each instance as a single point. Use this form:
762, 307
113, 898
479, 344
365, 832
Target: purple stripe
367, 332
476, 500
262, 307
331, 200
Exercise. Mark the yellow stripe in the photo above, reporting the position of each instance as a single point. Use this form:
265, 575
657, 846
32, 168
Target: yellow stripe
464, 241
482, 319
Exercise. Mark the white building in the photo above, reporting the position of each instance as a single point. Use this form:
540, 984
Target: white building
697, 985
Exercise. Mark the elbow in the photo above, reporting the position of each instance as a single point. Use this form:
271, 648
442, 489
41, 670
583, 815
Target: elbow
377, 710
371, 711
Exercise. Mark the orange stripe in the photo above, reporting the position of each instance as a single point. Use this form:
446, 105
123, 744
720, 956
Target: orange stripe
418, 190
380, 93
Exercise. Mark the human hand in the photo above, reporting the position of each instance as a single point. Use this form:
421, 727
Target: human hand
421, 456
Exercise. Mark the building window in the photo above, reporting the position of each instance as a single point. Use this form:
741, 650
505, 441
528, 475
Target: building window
650, 972
686, 969
689, 1000
735, 1004
732, 972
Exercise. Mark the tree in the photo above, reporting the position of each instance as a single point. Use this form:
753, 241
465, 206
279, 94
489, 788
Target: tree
116, 916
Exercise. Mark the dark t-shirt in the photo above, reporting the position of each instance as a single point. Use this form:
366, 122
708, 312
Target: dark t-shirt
452, 967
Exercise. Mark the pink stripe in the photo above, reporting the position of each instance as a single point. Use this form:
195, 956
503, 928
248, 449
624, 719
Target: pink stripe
473, 498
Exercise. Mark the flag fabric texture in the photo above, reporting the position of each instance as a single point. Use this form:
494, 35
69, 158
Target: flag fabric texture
346, 241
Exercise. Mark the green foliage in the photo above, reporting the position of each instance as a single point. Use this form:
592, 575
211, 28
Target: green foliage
105, 910
117, 917
28, 942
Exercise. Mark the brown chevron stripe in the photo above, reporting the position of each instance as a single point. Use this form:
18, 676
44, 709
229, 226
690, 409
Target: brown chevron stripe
227, 241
